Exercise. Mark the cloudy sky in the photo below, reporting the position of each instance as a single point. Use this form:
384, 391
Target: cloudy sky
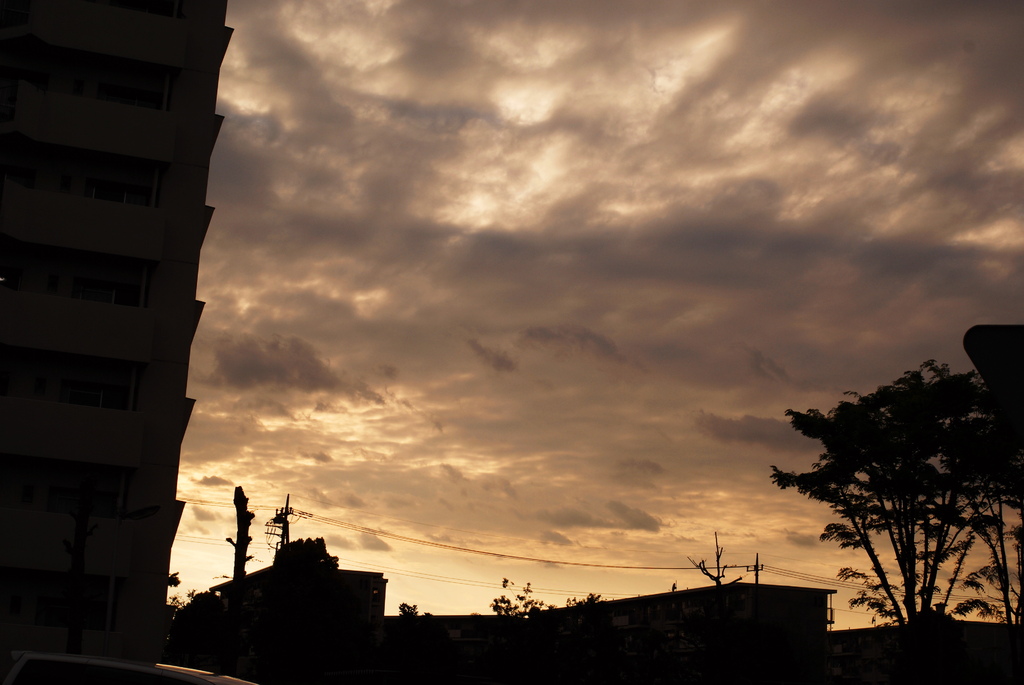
540, 278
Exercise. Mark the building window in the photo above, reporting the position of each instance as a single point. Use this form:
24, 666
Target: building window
14, 608
28, 493
111, 191
10, 174
162, 7
14, 12
105, 291
39, 387
125, 95
95, 395
65, 501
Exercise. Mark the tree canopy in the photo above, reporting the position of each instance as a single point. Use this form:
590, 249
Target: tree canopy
307, 619
903, 470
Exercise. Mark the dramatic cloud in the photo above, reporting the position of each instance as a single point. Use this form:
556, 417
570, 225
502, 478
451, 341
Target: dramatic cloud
542, 278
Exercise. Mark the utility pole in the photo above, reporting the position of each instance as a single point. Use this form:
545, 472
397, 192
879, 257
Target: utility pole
278, 526
243, 517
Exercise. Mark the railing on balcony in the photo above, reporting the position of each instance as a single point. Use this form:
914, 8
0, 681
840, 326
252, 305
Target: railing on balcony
142, 30
8, 99
14, 12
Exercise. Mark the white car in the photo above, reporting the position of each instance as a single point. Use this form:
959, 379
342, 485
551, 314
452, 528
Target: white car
43, 668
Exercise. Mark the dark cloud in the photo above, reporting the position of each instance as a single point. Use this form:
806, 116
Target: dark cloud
771, 433
555, 538
372, 542
321, 457
641, 472
498, 484
635, 519
496, 359
766, 367
625, 517
451, 473
572, 340
247, 362
570, 518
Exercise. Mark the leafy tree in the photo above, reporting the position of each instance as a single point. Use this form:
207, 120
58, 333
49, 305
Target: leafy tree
307, 620
900, 471
999, 525
197, 629
590, 648
917, 472
520, 605
525, 626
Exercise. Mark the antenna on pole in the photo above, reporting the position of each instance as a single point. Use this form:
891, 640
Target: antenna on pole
277, 527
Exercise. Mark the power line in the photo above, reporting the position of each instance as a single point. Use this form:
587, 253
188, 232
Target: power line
795, 575
463, 530
196, 539
466, 550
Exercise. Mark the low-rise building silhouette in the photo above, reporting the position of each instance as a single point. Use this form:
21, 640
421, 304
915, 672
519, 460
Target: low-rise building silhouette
369, 588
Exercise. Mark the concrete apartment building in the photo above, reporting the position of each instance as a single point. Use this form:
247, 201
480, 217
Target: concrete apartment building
107, 124
800, 617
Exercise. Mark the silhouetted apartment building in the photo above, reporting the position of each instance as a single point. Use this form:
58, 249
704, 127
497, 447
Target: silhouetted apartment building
757, 619
107, 124
866, 656
797, 617
369, 588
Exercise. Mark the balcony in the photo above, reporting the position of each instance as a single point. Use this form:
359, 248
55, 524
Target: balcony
101, 29
75, 121
53, 430
81, 223
60, 324
35, 543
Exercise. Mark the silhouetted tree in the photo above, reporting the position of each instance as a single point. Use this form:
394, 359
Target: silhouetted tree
525, 626
197, 629
307, 620
590, 648
907, 469
999, 525
418, 645
717, 577
236, 593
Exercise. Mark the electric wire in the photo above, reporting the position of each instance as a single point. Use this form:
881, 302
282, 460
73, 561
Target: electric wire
786, 573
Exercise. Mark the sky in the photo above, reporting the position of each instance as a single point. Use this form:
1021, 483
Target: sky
541, 278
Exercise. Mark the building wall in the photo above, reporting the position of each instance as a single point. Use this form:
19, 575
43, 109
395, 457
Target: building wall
106, 127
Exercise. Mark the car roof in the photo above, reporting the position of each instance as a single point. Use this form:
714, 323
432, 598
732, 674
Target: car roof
192, 674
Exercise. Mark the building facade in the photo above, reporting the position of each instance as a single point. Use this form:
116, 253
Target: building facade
107, 124
368, 588
797, 619
867, 656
